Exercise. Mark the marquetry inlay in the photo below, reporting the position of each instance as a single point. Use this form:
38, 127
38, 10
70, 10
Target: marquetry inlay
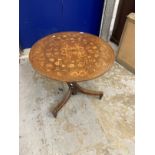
71, 56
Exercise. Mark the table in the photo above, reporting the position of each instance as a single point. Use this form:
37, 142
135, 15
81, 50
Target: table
72, 57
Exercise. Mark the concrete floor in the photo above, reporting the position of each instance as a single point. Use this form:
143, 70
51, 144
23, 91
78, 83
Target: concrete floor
85, 125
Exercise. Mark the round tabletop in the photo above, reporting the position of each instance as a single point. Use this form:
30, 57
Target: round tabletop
71, 56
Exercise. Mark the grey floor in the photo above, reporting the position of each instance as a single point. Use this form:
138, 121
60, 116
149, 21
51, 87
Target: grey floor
85, 125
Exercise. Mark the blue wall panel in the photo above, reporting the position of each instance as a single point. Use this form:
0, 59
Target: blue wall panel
39, 18
83, 15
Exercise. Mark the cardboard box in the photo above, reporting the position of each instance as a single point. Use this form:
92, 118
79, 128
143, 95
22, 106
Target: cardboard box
126, 52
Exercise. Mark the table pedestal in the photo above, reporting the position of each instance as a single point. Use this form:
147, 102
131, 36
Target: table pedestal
73, 89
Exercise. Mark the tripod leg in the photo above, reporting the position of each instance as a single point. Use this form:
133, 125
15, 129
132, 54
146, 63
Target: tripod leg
89, 92
62, 103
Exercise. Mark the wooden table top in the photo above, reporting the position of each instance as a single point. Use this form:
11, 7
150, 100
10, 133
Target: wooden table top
71, 56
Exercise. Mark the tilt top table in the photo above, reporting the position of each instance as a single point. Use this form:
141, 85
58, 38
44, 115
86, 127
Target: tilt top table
72, 57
